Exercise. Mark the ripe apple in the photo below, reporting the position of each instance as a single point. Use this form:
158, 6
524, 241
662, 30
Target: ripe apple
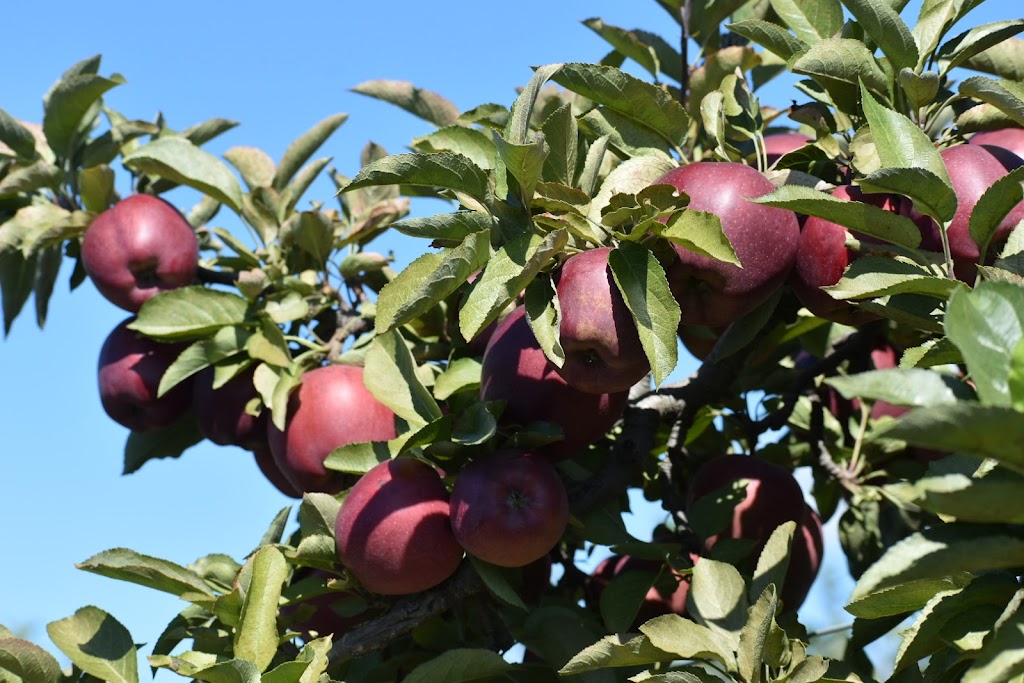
778, 144
137, 248
331, 408
603, 353
221, 412
1010, 139
130, 369
265, 461
667, 596
320, 614
714, 293
509, 508
516, 371
394, 532
805, 559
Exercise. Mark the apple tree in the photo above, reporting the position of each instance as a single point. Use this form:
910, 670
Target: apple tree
460, 436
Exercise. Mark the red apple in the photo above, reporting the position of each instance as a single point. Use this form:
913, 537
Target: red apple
221, 412
331, 408
667, 596
1010, 139
130, 369
778, 144
714, 293
516, 371
265, 461
393, 531
319, 615
509, 508
602, 349
805, 559
139, 247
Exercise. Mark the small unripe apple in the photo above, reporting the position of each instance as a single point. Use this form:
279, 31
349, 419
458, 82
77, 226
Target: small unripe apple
714, 293
509, 508
394, 532
516, 371
137, 248
130, 369
332, 408
602, 349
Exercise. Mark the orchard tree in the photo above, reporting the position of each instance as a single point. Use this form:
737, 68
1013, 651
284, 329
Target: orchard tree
461, 435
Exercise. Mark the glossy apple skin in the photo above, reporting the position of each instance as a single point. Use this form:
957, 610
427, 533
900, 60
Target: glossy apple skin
515, 370
394, 531
603, 353
778, 144
509, 508
972, 170
658, 601
331, 408
714, 293
1010, 139
130, 369
221, 412
139, 247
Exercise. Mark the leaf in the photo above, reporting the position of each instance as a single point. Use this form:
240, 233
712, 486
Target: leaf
1005, 60
991, 498
508, 272
461, 374
961, 48
840, 65
756, 636
622, 598
474, 144
773, 562
230, 671
811, 20
902, 387
984, 431
178, 160
993, 206
17, 137
152, 572
517, 130
718, 597
166, 442
647, 104
903, 598
1007, 96
987, 324
98, 644
1002, 656
543, 315
428, 280
941, 551
858, 216
628, 43
562, 135
68, 104
497, 584
459, 665
900, 142
629, 177
524, 162
685, 639
930, 194
96, 185
390, 375
226, 342
27, 661
883, 25
442, 169
615, 651
772, 37
425, 104
255, 166
189, 313
447, 227
645, 289
358, 458
303, 148
30, 177
256, 636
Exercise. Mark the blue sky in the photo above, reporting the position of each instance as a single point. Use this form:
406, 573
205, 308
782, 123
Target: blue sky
278, 72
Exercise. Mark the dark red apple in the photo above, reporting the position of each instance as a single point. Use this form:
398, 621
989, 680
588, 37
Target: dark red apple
667, 596
130, 369
394, 532
331, 408
137, 248
516, 371
805, 559
1010, 139
509, 508
714, 293
603, 353
778, 144
265, 461
221, 413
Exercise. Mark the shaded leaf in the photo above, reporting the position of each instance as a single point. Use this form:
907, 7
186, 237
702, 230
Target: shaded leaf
459, 666
98, 644
616, 651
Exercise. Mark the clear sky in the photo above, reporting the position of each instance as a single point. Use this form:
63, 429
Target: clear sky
278, 71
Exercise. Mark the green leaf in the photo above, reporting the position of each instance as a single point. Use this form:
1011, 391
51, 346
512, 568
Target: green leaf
303, 148
1007, 96
166, 442
230, 671
902, 387
68, 105
508, 272
873, 276
993, 497
543, 315
358, 458
525, 162
256, 635
96, 185
811, 20
773, 562
425, 104
152, 572
189, 313
987, 324
30, 177
644, 287
931, 195
178, 160
616, 651
984, 431
629, 177
201, 133
935, 18
390, 375
625, 136
772, 37
757, 635
993, 206
473, 144
643, 102
226, 342
903, 598
685, 639
969, 43
941, 551
428, 280
98, 644
900, 142
858, 216
562, 135
628, 43
253, 164
622, 598
17, 137
1005, 60
497, 583
445, 227
718, 598
700, 232
460, 665
517, 130
1002, 656
840, 65
461, 374
27, 661
443, 169
882, 23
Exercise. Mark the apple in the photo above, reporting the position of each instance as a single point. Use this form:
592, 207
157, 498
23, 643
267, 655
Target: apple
332, 408
972, 170
667, 596
602, 349
393, 530
805, 559
320, 615
714, 293
268, 466
1009, 139
516, 371
778, 144
221, 412
139, 247
509, 508
130, 369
